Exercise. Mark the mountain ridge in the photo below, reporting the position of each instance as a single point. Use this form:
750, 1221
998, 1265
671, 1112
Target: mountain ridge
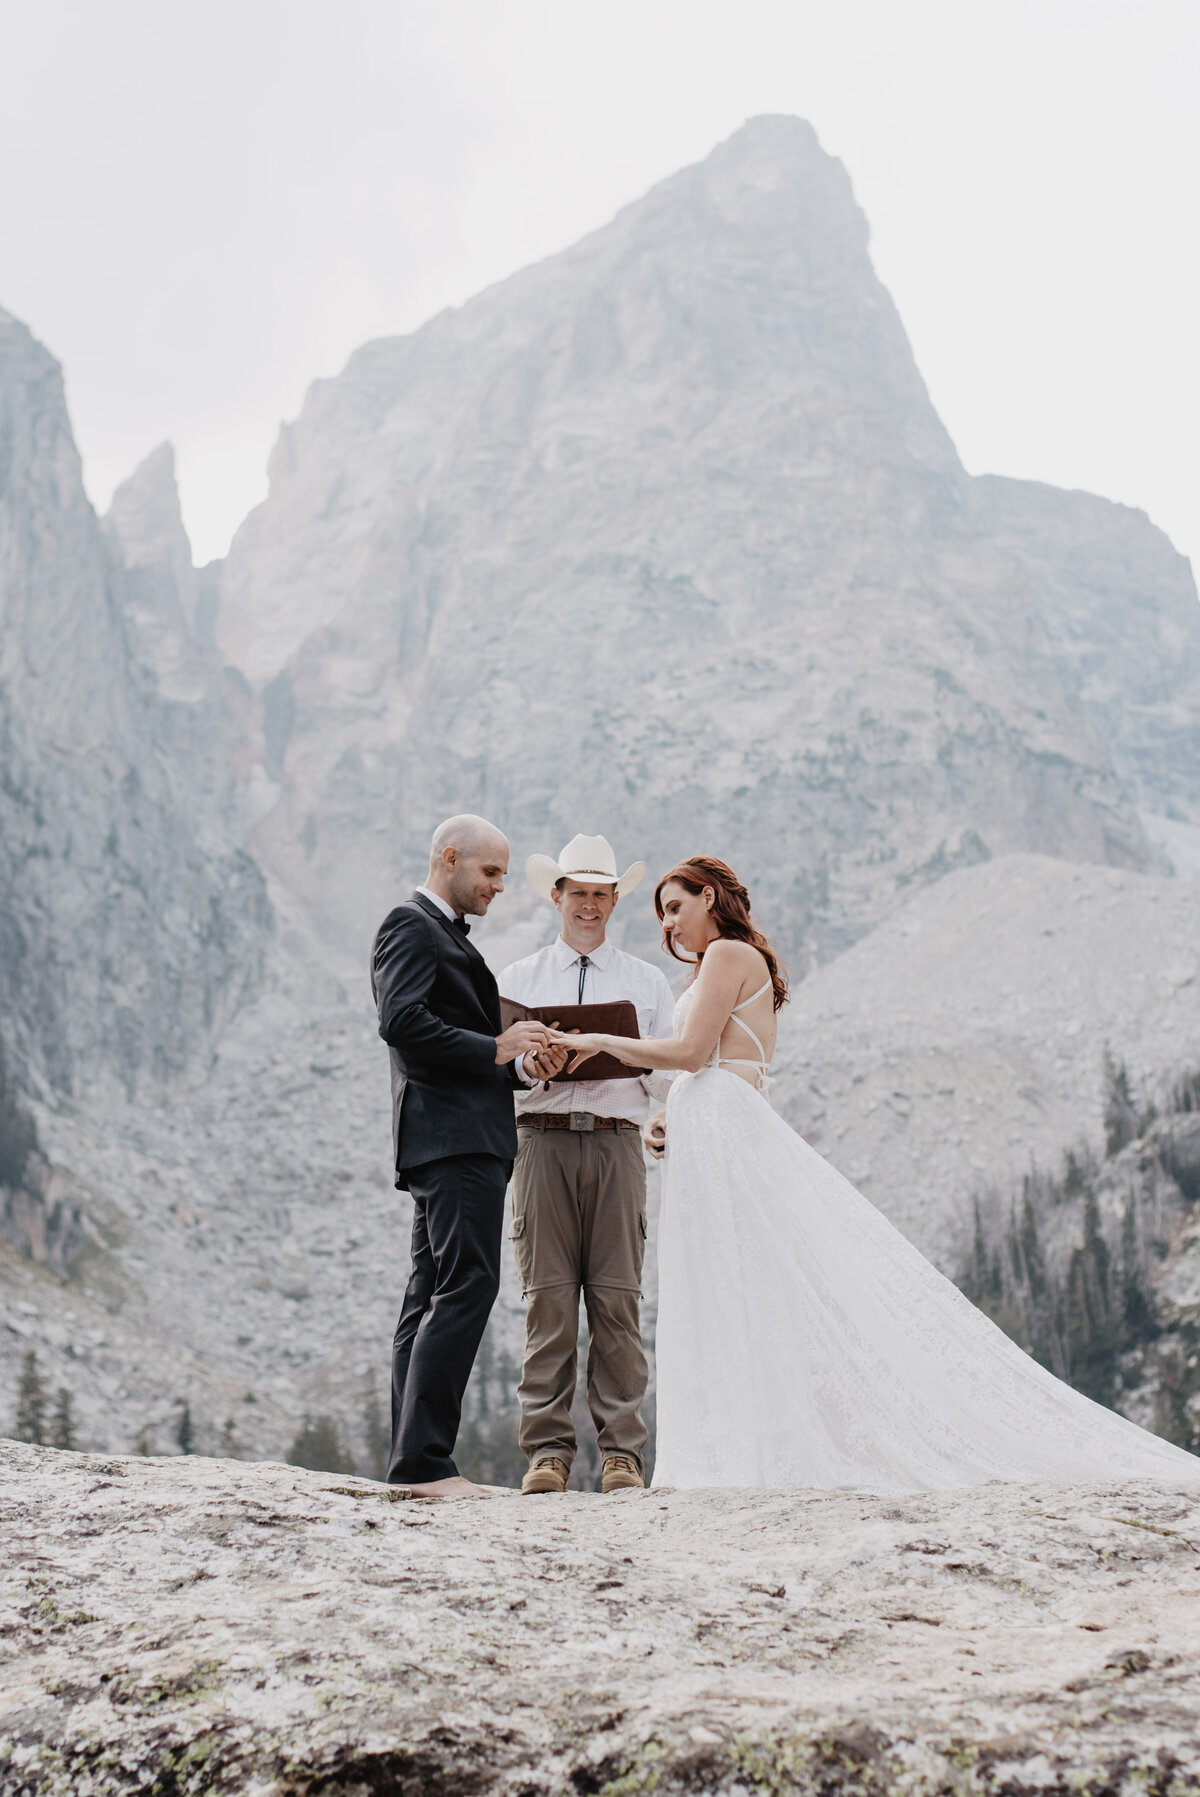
681, 485
132, 920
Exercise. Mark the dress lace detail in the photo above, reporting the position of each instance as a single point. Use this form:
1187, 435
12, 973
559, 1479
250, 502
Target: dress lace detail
803, 1341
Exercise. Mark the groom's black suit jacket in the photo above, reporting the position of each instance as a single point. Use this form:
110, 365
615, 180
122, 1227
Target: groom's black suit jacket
439, 1013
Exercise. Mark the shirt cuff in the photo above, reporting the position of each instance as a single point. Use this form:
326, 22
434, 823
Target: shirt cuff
525, 1078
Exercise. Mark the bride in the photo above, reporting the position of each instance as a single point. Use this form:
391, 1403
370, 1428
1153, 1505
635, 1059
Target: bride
802, 1340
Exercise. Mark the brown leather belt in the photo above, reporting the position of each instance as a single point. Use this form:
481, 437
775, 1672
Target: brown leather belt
583, 1122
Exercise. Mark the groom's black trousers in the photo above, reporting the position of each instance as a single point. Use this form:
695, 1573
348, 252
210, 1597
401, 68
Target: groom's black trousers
458, 1221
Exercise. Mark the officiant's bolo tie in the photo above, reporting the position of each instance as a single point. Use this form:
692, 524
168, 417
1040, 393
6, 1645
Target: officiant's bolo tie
584, 964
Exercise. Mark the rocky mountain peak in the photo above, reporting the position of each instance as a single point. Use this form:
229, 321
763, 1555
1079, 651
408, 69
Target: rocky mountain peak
736, 299
132, 920
145, 518
144, 526
61, 664
675, 502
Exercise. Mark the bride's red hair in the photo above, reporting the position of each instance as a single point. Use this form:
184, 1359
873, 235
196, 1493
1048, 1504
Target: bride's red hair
730, 912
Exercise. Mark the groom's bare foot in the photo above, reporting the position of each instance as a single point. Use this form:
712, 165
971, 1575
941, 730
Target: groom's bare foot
456, 1487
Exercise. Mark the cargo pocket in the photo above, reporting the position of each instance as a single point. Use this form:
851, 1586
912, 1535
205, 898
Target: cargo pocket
520, 1242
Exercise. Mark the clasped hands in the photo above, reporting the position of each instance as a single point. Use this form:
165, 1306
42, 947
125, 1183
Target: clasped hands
546, 1048
582, 1047
543, 1056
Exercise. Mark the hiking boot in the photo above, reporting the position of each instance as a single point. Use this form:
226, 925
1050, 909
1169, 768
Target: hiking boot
546, 1473
621, 1474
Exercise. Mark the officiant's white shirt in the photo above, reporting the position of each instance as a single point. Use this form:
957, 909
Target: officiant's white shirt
551, 977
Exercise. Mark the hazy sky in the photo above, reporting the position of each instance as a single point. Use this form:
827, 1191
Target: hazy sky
205, 207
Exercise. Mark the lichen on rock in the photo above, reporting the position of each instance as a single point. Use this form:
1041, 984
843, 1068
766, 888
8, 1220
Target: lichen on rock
199, 1626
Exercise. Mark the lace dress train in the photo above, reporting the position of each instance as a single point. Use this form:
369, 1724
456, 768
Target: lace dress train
803, 1341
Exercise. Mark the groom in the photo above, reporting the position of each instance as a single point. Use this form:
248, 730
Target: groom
454, 1070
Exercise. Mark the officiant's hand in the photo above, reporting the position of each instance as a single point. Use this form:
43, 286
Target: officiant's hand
526, 1037
654, 1136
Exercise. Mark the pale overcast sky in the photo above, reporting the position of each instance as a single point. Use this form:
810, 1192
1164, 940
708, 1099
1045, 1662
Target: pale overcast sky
205, 207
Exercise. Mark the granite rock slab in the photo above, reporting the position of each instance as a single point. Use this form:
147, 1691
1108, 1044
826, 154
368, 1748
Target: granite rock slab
195, 1625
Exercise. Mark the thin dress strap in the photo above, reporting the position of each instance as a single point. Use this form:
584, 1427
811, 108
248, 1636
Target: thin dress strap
732, 1060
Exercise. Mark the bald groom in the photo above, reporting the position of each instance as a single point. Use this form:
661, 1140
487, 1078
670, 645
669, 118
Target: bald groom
454, 1071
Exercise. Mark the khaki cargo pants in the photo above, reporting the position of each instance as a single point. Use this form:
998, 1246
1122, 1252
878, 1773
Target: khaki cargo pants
579, 1224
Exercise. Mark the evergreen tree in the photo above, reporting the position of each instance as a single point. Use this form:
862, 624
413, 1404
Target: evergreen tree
145, 1443
1138, 1306
31, 1402
1174, 1416
1074, 1173
974, 1282
318, 1445
1015, 1262
983, 1281
995, 1285
487, 1449
1031, 1250
1120, 1112
62, 1423
1094, 1340
183, 1430
1089, 1320
228, 1445
1185, 1094
18, 1135
378, 1435
1028, 1309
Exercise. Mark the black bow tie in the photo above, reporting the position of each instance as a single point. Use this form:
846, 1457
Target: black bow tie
460, 923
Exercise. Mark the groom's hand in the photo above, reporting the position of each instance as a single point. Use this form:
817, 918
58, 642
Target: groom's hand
545, 1063
526, 1037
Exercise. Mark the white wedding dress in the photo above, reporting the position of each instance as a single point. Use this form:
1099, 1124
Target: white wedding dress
802, 1341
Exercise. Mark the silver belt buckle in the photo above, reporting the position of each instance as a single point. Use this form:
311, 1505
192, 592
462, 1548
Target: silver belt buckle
582, 1120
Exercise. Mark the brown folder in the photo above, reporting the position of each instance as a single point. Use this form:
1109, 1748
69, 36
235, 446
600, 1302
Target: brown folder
619, 1019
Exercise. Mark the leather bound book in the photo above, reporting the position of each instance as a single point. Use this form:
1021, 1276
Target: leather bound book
619, 1019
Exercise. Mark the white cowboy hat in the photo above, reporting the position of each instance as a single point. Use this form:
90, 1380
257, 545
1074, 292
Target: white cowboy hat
588, 858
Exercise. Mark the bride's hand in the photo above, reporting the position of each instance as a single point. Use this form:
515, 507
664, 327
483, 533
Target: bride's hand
582, 1047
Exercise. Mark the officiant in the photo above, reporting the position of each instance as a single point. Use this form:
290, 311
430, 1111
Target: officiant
579, 1183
